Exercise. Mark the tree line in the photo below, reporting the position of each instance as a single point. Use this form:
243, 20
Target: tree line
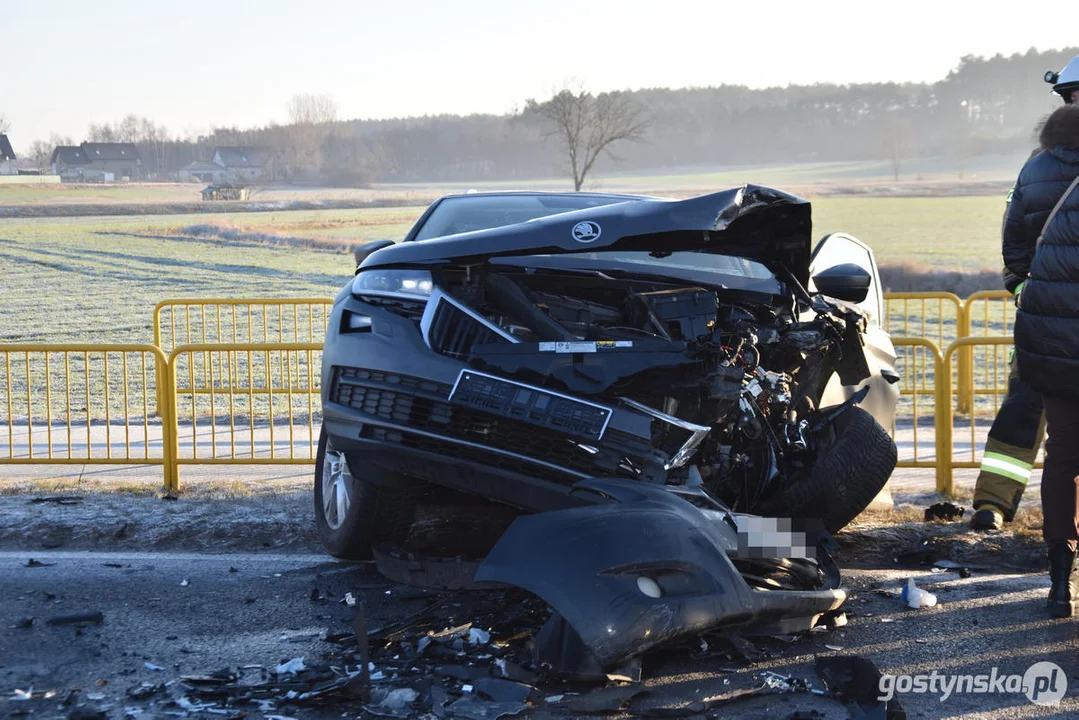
983, 106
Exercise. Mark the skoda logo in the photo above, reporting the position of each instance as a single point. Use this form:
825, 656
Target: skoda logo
586, 232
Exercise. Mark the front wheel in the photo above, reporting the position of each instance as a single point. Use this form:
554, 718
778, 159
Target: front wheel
358, 504
848, 474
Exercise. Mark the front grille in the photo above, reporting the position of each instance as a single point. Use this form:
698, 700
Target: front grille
454, 333
423, 405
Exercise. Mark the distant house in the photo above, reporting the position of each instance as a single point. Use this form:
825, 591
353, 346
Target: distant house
202, 171
120, 159
245, 163
68, 162
7, 157
97, 162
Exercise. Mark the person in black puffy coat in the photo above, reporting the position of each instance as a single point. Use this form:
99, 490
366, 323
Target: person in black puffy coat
1047, 330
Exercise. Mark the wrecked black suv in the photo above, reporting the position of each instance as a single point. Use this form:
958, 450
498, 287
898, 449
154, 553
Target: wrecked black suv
518, 345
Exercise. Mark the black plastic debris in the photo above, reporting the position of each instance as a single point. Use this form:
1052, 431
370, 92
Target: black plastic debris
363, 649
749, 652
605, 700
84, 713
560, 648
37, 563
454, 573
944, 511
696, 708
473, 708
88, 618
392, 702
218, 677
439, 699
58, 500
144, 690
857, 680
395, 628
464, 673
503, 691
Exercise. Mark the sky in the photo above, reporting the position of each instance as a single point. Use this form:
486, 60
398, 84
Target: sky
194, 64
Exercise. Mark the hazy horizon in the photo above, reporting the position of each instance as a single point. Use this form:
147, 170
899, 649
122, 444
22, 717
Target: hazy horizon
199, 64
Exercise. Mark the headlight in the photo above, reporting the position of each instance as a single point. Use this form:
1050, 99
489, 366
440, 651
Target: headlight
393, 283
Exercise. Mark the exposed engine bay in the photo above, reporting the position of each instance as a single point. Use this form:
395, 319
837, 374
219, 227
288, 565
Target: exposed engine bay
735, 376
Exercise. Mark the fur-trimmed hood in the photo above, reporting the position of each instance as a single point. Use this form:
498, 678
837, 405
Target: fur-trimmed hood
1061, 128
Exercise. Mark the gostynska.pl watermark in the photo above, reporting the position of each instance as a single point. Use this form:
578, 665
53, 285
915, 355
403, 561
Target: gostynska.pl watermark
1044, 683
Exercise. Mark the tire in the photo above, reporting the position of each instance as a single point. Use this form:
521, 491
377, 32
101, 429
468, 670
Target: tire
845, 478
379, 504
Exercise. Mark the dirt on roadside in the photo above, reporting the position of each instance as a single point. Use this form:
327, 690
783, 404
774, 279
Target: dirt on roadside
284, 522
105, 521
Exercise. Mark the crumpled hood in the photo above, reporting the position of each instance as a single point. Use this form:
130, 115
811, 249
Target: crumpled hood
756, 222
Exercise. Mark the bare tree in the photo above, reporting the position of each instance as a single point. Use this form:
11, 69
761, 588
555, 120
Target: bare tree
101, 133
40, 153
312, 120
309, 109
588, 125
897, 135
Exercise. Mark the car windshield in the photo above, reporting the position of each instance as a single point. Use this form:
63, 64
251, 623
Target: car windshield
482, 212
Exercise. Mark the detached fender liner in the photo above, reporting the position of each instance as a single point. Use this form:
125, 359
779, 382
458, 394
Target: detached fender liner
628, 576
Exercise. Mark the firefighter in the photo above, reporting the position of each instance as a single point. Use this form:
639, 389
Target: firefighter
1019, 427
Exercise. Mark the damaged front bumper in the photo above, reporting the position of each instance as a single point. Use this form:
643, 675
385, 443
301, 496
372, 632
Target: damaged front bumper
643, 567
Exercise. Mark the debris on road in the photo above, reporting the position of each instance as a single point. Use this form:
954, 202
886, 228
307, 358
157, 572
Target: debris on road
944, 511
144, 690
58, 500
604, 700
917, 598
32, 563
153, 668
292, 667
90, 618
857, 681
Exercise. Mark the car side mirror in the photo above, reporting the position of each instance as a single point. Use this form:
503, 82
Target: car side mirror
847, 281
361, 252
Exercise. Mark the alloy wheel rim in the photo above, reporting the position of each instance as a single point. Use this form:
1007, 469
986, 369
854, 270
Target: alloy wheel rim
335, 489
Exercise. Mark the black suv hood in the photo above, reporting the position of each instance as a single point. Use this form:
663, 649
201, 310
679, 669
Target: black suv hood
756, 222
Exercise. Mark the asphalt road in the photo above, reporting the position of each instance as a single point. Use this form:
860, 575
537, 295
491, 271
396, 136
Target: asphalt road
197, 613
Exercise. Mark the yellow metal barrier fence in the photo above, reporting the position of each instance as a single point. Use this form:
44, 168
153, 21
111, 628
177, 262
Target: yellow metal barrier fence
936, 316
920, 363
240, 320
84, 404
244, 403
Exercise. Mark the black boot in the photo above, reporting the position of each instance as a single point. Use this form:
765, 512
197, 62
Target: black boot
1062, 572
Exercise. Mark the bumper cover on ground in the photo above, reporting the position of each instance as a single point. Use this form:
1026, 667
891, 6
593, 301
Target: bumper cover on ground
643, 569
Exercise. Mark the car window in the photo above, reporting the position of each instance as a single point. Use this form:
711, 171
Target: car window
481, 212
